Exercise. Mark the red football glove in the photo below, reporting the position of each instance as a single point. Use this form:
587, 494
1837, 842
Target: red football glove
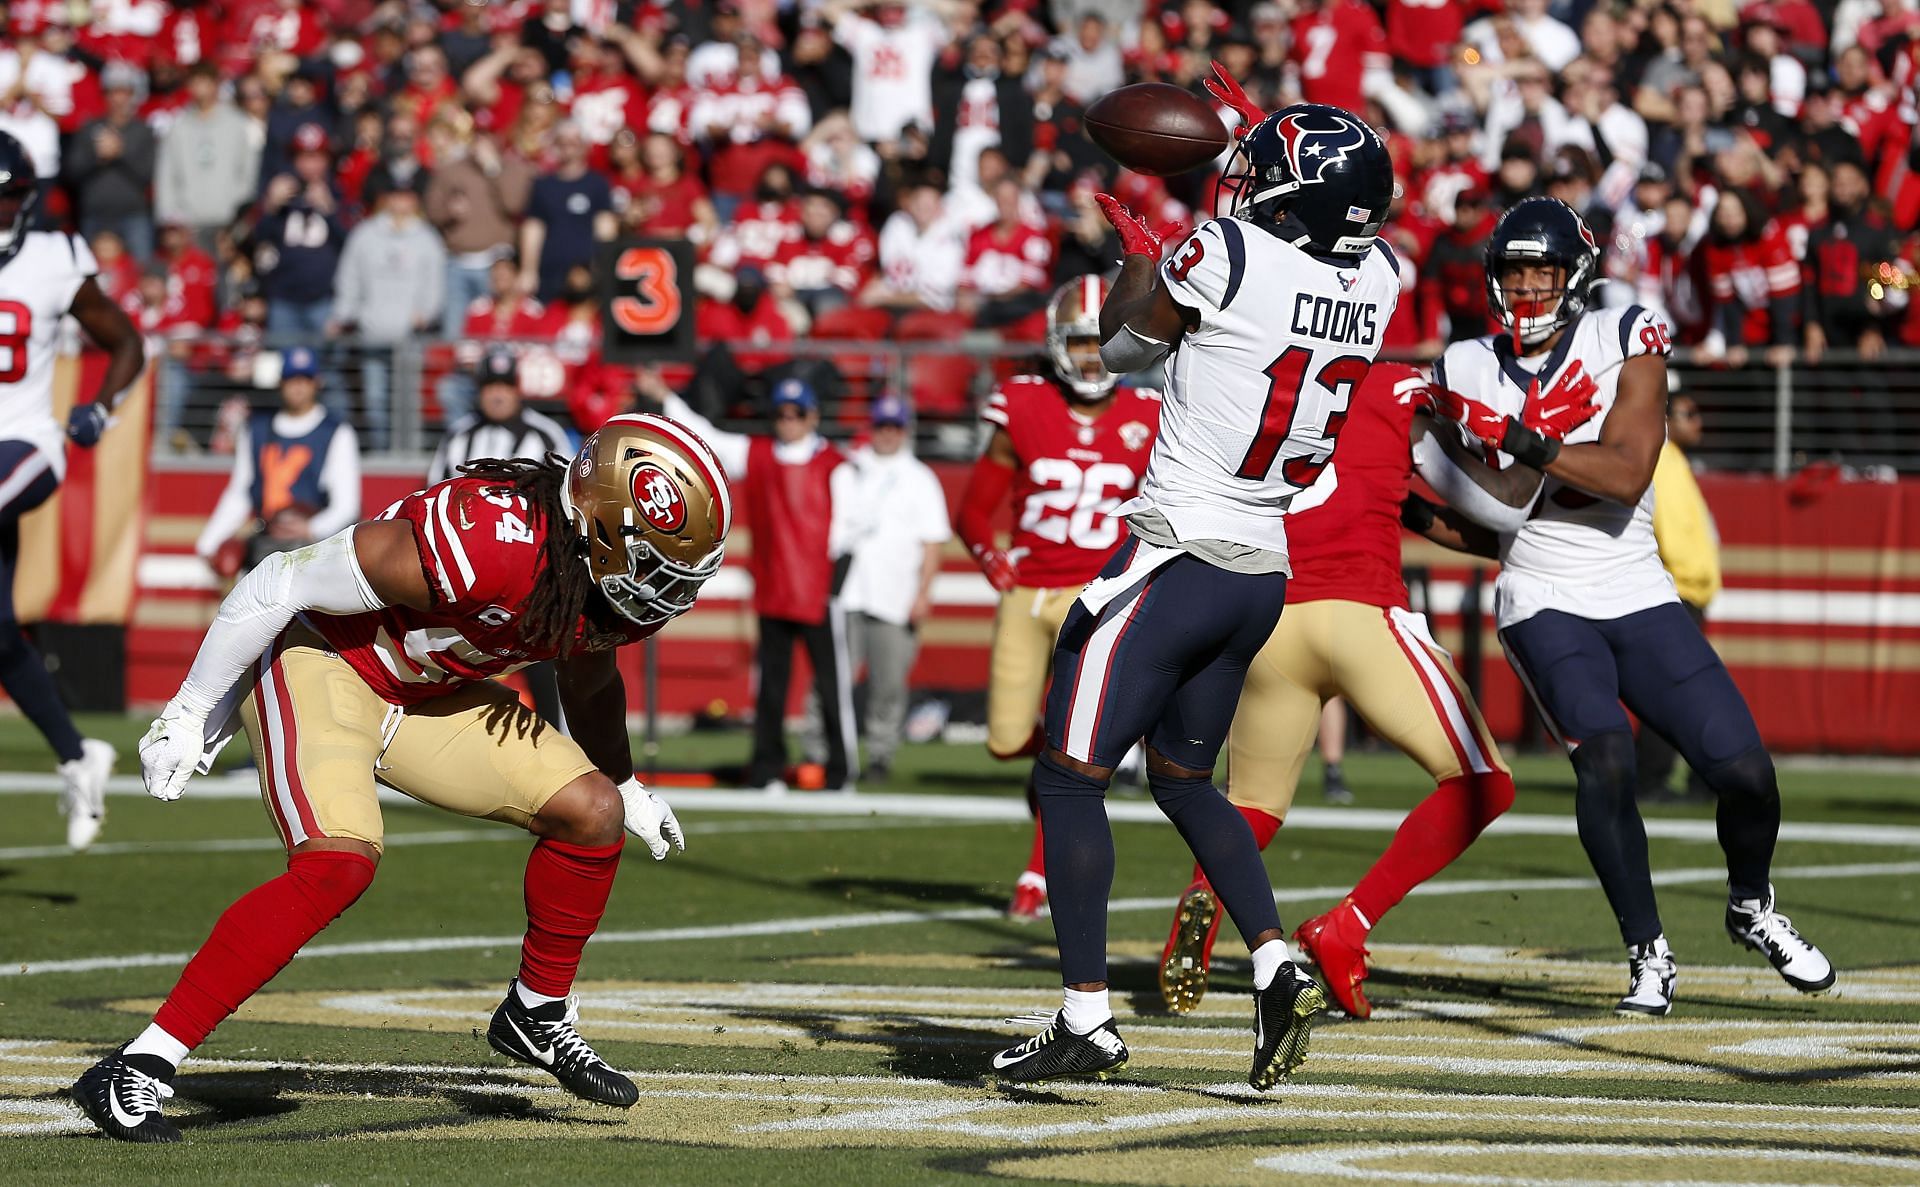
1483, 422
1565, 406
997, 565
1136, 238
1222, 87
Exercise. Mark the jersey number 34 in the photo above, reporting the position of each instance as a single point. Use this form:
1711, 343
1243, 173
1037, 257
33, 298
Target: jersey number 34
1324, 406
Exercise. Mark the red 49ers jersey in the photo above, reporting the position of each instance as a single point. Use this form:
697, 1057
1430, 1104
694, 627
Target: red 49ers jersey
1072, 474
1343, 532
482, 548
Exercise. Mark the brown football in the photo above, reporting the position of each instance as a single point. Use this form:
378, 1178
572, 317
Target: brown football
1153, 127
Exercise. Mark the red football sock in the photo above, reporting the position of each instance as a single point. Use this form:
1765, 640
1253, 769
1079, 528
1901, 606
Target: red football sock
258, 935
1037, 860
566, 888
1438, 830
1264, 825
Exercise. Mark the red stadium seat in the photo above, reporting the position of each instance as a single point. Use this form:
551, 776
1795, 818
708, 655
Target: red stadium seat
941, 384
926, 325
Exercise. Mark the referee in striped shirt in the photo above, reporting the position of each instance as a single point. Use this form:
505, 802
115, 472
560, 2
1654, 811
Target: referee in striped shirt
501, 426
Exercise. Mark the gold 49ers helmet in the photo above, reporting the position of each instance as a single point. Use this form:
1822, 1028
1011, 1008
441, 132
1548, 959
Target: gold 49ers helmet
650, 499
1073, 316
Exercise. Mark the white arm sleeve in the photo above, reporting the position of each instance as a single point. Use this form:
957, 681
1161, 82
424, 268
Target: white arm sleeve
1462, 493
325, 576
236, 501
730, 448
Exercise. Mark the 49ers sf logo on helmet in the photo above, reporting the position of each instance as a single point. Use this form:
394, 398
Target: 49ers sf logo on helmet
658, 497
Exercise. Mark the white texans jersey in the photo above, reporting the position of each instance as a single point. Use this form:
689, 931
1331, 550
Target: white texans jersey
37, 287
1577, 553
1256, 393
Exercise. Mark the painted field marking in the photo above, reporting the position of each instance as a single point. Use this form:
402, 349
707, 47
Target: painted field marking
823, 923
1341, 1162
1012, 809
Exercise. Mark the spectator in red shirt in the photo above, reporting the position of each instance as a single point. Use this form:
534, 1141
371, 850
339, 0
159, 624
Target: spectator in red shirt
504, 314
190, 272
1009, 264
1453, 279
754, 235
1336, 43
1756, 283
749, 120
119, 274
663, 198
825, 268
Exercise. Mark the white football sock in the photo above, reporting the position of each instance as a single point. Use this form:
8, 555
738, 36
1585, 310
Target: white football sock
530, 999
1267, 959
157, 1042
1086, 1009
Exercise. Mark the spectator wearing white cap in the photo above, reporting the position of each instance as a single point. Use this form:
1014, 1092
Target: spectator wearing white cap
889, 523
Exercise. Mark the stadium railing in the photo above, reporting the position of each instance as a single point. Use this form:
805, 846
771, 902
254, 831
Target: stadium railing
1858, 412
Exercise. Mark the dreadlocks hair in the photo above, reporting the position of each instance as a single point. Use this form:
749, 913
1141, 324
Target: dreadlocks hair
564, 591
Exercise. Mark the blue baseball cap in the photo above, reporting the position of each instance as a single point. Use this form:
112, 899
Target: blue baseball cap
299, 363
891, 410
797, 392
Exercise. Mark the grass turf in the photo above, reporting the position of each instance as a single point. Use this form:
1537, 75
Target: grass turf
793, 1049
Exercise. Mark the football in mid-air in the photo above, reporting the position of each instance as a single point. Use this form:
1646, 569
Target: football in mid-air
1156, 128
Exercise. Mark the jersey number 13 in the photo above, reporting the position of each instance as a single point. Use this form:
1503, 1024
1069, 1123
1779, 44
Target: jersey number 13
1325, 410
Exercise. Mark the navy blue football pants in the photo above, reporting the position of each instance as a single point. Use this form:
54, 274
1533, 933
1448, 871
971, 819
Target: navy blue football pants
1579, 671
26, 481
1163, 661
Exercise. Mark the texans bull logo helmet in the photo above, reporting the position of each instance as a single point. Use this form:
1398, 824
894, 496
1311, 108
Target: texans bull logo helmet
1316, 176
650, 500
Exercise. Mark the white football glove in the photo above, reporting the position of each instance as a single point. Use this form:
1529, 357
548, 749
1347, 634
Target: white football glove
649, 818
171, 750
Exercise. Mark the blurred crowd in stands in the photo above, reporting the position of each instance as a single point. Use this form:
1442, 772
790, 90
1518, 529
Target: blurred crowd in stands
360, 175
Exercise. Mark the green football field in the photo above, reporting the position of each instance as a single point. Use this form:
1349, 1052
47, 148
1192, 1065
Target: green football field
810, 992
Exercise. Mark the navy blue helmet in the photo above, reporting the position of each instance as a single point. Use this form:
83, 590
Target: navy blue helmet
1541, 231
1315, 175
19, 191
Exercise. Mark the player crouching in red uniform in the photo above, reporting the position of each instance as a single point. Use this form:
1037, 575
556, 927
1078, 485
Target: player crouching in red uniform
373, 652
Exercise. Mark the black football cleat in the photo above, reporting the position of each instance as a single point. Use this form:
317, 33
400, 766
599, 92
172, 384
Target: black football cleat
1283, 1015
544, 1037
1057, 1052
121, 1095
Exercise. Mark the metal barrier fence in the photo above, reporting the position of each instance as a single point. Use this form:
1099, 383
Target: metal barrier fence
1862, 413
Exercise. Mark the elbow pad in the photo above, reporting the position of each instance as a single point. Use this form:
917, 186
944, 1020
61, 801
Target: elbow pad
1128, 351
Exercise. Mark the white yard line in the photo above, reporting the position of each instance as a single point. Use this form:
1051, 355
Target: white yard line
1013, 809
459, 836
824, 923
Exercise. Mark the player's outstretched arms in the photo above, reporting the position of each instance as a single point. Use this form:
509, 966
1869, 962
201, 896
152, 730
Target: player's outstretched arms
1619, 466
1448, 528
1497, 499
113, 331
362, 568
1140, 319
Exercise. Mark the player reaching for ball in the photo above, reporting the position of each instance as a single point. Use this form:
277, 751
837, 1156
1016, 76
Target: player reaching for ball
372, 653
1267, 321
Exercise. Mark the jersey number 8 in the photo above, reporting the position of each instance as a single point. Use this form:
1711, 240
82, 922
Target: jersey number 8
16, 327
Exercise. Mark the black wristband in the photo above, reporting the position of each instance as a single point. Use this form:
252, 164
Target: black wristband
1417, 513
1527, 447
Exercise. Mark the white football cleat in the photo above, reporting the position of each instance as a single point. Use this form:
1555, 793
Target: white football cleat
83, 800
1754, 923
1651, 974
